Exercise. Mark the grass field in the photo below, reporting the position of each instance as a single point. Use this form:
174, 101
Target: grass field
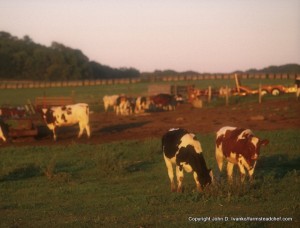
93, 94
125, 184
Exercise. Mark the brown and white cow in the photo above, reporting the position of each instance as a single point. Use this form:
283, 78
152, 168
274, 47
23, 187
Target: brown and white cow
183, 149
67, 116
239, 147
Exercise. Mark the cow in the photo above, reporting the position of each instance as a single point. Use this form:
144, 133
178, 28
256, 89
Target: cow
164, 101
240, 147
67, 116
123, 106
183, 149
110, 101
141, 104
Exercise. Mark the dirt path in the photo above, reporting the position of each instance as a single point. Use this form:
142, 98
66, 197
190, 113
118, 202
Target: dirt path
107, 127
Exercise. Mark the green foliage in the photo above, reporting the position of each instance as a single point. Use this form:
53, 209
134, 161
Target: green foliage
284, 69
23, 59
125, 184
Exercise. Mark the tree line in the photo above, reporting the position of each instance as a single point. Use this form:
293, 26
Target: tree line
23, 59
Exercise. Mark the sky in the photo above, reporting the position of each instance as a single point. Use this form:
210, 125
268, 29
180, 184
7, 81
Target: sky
215, 36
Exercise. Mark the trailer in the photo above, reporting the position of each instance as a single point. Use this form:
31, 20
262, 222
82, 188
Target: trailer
18, 122
275, 90
21, 127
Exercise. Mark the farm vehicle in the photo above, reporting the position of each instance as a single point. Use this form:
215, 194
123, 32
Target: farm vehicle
275, 90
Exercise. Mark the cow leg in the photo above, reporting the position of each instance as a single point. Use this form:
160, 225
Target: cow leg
242, 171
251, 172
170, 173
229, 171
88, 131
54, 134
179, 175
199, 189
219, 158
81, 128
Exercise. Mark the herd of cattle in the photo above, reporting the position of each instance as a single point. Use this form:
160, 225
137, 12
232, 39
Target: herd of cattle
124, 105
180, 148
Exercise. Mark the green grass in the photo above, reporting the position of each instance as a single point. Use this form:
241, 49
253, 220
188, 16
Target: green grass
93, 94
125, 184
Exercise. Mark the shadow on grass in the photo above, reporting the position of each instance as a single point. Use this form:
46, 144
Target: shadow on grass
122, 127
278, 165
138, 166
29, 171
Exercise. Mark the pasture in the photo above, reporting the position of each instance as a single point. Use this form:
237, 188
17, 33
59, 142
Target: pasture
118, 178
93, 94
125, 184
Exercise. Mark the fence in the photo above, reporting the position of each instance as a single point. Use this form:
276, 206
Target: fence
42, 84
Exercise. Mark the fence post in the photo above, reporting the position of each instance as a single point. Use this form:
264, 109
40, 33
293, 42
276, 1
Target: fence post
259, 93
209, 94
227, 96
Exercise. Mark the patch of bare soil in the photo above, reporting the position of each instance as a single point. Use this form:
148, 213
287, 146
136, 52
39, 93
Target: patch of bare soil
107, 127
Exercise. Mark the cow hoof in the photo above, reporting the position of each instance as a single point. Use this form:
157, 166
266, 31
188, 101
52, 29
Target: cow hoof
199, 189
180, 190
173, 188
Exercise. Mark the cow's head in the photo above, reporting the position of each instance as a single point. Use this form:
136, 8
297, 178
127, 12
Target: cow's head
253, 146
207, 179
48, 116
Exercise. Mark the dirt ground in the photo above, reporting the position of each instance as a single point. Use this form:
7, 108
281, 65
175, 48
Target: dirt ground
107, 127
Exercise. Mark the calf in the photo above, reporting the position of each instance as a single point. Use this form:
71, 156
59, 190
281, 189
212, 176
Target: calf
67, 116
183, 149
239, 146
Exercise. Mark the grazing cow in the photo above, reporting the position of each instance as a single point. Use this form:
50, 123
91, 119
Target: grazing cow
239, 146
164, 101
123, 106
110, 101
141, 104
67, 116
183, 149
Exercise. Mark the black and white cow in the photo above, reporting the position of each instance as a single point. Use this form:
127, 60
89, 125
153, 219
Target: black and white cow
238, 146
183, 149
123, 107
67, 116
141, 104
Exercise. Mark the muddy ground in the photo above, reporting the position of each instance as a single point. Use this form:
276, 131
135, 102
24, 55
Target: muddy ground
107, 127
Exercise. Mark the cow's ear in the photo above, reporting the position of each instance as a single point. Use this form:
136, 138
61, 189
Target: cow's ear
264, 142
44, 110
